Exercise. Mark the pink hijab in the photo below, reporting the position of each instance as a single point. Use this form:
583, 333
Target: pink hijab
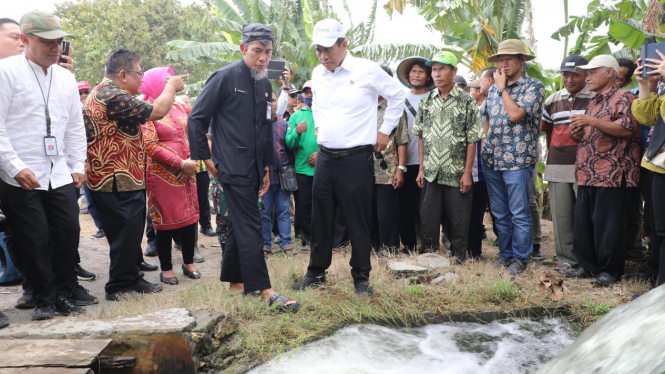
153, 82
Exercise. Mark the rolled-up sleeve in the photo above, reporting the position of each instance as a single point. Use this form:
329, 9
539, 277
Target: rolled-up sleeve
392, 91
646, 110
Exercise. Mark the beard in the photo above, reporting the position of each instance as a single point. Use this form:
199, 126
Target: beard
417, 87
258, 75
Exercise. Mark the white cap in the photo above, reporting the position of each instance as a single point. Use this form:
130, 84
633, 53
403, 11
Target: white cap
307, 84
326, 33
600, 61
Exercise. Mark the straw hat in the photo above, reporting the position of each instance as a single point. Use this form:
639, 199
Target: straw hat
511, 47
404, 68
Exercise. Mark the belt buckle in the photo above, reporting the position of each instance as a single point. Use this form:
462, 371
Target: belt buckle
334, 154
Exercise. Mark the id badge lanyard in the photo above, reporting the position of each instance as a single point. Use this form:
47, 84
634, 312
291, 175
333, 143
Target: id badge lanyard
50, 142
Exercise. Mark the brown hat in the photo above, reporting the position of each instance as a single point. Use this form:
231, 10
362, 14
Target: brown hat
511, 47
474, 83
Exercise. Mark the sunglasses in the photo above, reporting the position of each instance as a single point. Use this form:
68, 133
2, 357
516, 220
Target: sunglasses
379, 156
293, 96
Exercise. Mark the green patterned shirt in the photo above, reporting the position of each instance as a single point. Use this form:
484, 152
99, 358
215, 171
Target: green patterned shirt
399, 137
447, 127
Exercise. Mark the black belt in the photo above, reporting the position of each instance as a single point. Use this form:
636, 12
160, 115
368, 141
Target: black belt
344, 152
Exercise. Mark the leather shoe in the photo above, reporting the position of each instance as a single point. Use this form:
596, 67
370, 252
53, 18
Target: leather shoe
580, 272
516, 267
172, 281
500, 264
151, 251
536, 254
364, 289
4, 320
191, 274
207, 231
141, 274
310, 282
604, 280
144, 266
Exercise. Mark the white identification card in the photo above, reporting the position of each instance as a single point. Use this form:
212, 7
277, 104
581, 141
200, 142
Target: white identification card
50, 146
269, 110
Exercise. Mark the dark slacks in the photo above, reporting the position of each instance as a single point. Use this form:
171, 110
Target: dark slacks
304, 206
163, 244
123, 218
409, 206
478, 204
45, 227
657, 214
202, 186
242, 260
385, 217
347, 183
439, 200
602, 216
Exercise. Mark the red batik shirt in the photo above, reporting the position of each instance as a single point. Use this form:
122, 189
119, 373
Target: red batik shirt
604, 160
116, 152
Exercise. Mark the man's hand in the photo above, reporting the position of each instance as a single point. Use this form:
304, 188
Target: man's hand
79, 179
286, 78
381, 141
312, 160
302, 127
398, 181
576, 133
177, 82
69, 65
500, 79
420, 178
27, 180
211, 167
582, 120
266, 184
189, 167
465, 183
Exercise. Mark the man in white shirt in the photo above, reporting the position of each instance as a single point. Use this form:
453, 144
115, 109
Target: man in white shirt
346, 90
42, 155
417, 77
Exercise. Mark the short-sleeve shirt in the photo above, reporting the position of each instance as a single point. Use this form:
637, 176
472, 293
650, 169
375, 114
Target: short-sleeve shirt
604, 160
447, 127
398, 137
116, 152
513, 145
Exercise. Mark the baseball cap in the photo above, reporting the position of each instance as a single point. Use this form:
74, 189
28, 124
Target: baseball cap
474, 83
83, 85
43, 24
307, 84
458, 79
600, 61
571, 62
326, 32
443, 57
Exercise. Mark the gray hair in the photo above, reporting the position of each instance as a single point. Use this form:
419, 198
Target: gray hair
616, 74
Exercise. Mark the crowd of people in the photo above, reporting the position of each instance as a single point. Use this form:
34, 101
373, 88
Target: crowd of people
355, 153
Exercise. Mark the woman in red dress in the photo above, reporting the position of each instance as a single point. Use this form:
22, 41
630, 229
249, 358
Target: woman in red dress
171, 180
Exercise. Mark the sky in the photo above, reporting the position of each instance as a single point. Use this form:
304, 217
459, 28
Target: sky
406, 28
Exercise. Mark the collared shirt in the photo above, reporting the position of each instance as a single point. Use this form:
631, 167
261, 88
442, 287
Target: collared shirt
604, 160
398, 137
556, 120
279, 128
412, 156
344, 103
116, 153
513, 145
447, 127
23, 123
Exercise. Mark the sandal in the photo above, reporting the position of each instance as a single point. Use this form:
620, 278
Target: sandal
563, 267
281, 303
290, 251
266, 252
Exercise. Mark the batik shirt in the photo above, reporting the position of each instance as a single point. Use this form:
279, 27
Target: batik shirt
513, 145
113, 119
399, 137
447, 126
604, 160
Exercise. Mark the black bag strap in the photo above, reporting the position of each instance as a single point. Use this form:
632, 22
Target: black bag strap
410, 107
278, 162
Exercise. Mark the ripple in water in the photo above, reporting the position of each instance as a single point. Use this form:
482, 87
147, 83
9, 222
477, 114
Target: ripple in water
506, 347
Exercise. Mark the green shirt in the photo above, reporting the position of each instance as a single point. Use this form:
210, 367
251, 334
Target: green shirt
399, 137
447, 127
303, 144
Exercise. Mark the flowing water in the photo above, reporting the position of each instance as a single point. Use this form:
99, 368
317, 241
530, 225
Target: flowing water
501, 347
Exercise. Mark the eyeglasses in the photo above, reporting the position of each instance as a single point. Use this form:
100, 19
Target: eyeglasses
379, 156
140, 73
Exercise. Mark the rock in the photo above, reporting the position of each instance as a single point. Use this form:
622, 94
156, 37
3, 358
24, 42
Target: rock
450, 277
205, 321
405, 270
225, 327
438, 280
433, 261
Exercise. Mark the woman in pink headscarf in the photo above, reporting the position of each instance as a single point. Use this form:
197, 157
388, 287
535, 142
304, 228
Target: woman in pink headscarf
171, 180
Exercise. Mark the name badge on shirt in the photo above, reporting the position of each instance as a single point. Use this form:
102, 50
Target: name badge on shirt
269, 110
50, 146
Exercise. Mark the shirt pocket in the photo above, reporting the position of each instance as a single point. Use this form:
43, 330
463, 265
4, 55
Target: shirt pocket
239, 157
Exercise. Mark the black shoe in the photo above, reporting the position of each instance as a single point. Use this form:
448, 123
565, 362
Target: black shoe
83, 274
483, 236
172, 281
81, 297
500, 263
536, 254
141, 274
207, 231
64, 306
646, 278
310, 282
580, 272
43, 313
191, 274
495, 243
516, 267
143, 286
151, 250
27, 301
99, 235
364, 289
604, 280
117, 296
144, 266
4, 320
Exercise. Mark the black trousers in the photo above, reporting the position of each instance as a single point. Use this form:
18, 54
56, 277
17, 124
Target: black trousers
123, 219
242, 260
602, 216
151, 233
163, 244
439, 200
202, 186
385, 217
347, 183
45, 227
478, 204
409, 206
657, 213
304, 206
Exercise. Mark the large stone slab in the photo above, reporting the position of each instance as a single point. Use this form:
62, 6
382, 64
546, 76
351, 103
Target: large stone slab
18, 353
432, 261
406, 270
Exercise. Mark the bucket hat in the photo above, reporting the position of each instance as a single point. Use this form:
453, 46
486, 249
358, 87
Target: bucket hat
511, 47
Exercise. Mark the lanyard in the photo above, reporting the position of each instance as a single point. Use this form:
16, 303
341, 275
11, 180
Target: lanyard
46, 99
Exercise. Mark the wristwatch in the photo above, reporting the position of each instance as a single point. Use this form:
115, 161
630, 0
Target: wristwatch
501, 90
402, 168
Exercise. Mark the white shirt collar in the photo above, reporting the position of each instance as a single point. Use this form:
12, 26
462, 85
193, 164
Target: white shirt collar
347, 64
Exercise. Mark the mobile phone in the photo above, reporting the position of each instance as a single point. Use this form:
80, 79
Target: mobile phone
275, 69
65, 51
